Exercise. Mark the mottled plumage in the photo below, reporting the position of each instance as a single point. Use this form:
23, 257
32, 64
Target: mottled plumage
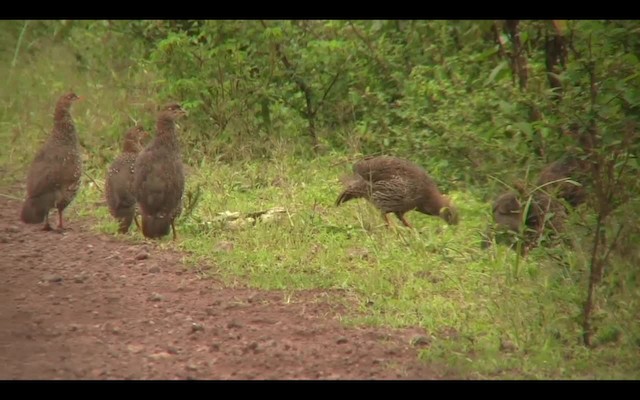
543, 214
395, 185
119, 192
159, 176
54, 176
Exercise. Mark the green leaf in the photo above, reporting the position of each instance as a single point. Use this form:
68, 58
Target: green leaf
524, 127
485, 55
498, 68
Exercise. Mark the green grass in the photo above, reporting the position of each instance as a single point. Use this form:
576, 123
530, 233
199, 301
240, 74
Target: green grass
437, 277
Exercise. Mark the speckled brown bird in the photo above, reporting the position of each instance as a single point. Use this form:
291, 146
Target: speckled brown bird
395, 185
118, 188
54, 176
543, 214
159, 176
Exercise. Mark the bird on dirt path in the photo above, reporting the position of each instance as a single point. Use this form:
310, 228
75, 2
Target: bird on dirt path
159, 176
118, 189
395, 185
54, 176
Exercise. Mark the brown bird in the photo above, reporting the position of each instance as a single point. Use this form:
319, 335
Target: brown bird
570, 167
118, 188
395, 185
159, 176
543, 214
53, 179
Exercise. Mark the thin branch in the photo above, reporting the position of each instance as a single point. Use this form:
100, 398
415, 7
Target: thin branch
613, 244
94, 181
18, 45
326, 92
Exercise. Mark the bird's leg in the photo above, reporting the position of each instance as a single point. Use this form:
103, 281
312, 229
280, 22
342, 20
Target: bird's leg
403, 219
386, 219
60, 225
173, 229
46, 226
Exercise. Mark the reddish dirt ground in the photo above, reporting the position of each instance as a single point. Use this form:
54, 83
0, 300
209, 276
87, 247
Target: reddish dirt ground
77, 305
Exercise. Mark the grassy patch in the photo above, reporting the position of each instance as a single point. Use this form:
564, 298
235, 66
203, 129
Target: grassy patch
486, 317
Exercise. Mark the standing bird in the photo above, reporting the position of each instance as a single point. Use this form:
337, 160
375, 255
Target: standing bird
159, 176
53, 179
395, 185
118, 188
543, 214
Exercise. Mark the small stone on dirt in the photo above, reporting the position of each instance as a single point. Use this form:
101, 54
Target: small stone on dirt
112, 298
234, 324
52, 278
143, 255
342, 340
12, 229
135, 348
253, 347
163, 355
191, 367
79, 278
155, 297
195, 327
154, 270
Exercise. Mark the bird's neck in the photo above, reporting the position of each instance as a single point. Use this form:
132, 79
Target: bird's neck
64, 127
131, 146
167, 137
433, 207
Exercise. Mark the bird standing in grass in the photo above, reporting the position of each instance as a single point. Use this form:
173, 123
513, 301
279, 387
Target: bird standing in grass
118, 188
395, 185
159, 176
54, 176
543, 214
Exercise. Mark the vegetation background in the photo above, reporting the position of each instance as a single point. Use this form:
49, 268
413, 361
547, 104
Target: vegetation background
278, 112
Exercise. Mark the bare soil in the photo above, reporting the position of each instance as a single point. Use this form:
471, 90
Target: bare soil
80, 305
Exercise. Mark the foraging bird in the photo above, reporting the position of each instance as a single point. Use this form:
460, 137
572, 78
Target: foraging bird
543, 214
395, 185
54, 176
118, 188
159, 176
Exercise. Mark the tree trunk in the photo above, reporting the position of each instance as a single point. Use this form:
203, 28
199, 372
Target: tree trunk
555, 58
519, 61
